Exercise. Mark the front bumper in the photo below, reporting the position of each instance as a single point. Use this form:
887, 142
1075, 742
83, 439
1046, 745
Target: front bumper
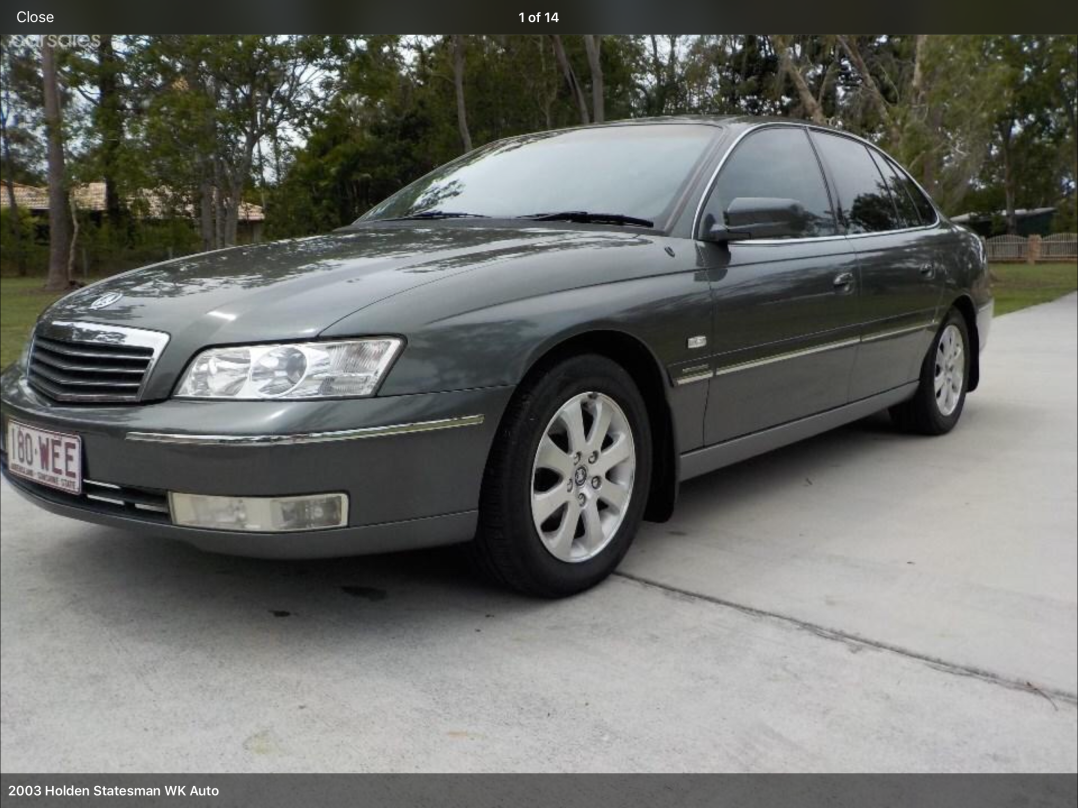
407, 487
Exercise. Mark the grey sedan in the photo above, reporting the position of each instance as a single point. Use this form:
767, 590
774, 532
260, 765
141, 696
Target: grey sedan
528, 349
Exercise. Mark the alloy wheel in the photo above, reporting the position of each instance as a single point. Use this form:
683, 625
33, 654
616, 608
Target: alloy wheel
950, 372
582, 477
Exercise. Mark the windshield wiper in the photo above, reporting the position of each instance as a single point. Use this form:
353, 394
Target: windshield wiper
588, 217
440, 214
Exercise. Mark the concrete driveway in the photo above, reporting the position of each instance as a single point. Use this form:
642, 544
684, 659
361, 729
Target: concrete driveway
862, 601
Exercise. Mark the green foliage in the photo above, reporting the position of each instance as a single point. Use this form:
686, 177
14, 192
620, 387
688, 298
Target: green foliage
317, 129
23, 246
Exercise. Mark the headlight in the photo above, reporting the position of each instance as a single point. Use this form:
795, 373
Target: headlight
295, 370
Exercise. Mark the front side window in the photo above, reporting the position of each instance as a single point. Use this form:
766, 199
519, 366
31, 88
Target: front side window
635, 170
863, 197
776, 163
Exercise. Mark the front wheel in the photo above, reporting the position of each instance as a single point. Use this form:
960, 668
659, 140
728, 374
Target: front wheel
567, 480
937, 405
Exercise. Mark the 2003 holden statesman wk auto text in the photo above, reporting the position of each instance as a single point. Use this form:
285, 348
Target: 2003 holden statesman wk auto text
529, 347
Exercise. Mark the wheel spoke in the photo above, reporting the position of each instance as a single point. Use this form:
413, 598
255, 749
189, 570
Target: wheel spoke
941, 379
551, 457
573, 418
618, 452
547, 504
614, 495
604, 413
593, 526
560, 542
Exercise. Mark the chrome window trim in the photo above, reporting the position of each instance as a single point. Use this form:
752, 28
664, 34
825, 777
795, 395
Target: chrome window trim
362, 433
90, 332
808, 127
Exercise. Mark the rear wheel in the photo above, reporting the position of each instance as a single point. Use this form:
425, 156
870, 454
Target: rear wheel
567, 481
937, 405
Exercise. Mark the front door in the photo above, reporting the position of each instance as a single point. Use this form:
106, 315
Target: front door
786, 310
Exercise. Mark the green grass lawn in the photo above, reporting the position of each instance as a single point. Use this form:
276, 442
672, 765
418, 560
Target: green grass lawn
1019, 285
1016, 286
21, 301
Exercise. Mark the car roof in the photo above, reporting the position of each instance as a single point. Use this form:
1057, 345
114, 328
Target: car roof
718, 121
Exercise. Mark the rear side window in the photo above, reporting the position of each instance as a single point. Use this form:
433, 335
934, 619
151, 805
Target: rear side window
904, 207
863, 198
777, 163
926, 212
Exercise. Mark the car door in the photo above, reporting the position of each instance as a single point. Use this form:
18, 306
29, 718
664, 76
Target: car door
900, 290
785, 309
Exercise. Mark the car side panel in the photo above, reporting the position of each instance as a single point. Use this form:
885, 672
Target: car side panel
902, 279
489, 327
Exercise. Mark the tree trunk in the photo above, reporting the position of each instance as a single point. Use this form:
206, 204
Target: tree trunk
930, 169
110, 119
218, 205
548, 95
1005, 131
59, 216
458, 85
658, 104
570, 78
592, 43
74, 242
809, 104
205, 193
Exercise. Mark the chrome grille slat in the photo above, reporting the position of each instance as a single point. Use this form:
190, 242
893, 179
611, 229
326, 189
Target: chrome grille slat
52, 361
51, 390
92, 362
66, 350
101, 381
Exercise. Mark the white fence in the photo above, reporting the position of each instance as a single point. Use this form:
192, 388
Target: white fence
1058, 247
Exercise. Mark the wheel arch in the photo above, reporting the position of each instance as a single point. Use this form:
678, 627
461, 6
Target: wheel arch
639, 362
964, 304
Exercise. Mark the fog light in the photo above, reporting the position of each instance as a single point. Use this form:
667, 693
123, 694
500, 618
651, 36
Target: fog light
261, 514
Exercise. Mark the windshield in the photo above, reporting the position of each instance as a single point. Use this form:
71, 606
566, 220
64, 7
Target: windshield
632, 171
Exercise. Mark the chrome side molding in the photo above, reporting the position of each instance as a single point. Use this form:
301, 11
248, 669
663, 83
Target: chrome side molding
362, 433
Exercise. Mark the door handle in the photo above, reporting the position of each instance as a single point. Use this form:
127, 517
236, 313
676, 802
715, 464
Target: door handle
843, 281
928, 271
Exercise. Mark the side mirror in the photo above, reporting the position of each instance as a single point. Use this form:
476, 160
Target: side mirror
749, 217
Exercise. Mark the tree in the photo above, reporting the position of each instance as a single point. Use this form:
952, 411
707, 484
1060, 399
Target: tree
792, 68
59, 213
458, 86
592, 43
570, 78
220, 96
110, 124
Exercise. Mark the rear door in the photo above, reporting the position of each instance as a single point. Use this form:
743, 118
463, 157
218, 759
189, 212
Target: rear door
786, 321
900, 282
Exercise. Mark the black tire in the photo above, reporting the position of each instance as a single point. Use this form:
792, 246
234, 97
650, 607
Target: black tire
922, 413
507, 547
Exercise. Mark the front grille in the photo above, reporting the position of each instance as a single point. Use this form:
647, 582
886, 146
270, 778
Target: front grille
86, 362
146, 500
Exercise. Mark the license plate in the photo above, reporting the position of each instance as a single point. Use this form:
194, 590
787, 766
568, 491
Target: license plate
49, 458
